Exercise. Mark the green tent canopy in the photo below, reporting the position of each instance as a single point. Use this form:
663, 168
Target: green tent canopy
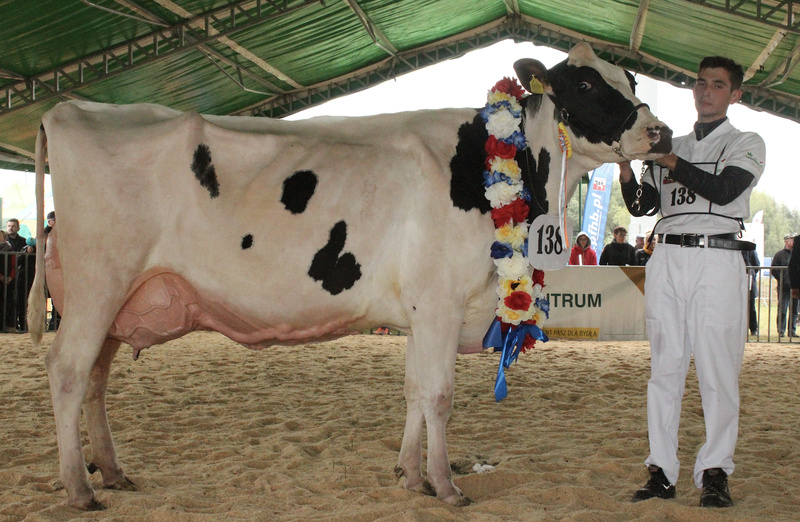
276, 57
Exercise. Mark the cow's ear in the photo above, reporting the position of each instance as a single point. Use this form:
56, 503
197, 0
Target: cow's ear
532, 74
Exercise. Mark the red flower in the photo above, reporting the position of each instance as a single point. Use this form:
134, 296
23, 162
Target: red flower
516, 212
538, 277
501, 149
518, 301
528, 344
510, 87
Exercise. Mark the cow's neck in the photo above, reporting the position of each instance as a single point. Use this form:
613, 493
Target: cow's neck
542, 162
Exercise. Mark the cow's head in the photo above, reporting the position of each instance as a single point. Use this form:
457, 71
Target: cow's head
596, 100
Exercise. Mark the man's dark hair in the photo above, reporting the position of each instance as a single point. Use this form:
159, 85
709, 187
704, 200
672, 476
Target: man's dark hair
735, 71
620, 229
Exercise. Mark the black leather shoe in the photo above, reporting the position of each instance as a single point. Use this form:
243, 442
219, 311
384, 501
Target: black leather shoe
715, 489
657, 487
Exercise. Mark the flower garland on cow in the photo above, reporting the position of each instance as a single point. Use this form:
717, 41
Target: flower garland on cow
521, 302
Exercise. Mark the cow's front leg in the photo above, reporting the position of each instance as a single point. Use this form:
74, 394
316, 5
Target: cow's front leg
69, 364
104, 455
435, 348
409, 463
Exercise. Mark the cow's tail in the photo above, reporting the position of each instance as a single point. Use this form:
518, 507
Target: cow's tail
36, 299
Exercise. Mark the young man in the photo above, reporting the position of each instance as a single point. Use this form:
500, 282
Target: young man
619, 252
696, 285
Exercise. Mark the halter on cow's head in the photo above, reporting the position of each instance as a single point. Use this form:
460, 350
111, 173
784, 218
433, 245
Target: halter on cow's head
596, 101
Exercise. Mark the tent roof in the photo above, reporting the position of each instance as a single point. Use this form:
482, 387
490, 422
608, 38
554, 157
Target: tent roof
276, 57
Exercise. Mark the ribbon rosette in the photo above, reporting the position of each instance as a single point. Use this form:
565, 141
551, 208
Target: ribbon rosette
520, 298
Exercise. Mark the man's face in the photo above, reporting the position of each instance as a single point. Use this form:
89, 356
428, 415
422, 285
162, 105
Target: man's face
713, 94
620, 237
790, 243
11, 228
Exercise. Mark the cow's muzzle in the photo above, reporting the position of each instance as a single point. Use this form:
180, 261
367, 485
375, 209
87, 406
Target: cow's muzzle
660, 139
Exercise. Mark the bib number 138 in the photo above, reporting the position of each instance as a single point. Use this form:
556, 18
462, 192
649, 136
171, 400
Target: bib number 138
549, 240
546, 243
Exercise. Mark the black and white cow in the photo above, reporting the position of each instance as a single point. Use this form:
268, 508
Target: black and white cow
321, 228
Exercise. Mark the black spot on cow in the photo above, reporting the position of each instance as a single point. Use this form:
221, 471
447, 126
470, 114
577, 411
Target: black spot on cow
247, 241
297, 191
596, 110
467, 166
204, 170
336, 272
536, 172
467, 190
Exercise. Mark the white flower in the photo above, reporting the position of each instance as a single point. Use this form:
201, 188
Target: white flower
502, 124
512, 267
500, 194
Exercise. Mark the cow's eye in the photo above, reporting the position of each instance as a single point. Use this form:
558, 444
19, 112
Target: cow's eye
584, 86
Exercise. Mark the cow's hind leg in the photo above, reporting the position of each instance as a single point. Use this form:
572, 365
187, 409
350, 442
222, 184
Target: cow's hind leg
104, 455
69, 364
409, 463
435, 346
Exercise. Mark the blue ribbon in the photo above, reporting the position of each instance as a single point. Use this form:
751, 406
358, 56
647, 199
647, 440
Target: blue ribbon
511, 342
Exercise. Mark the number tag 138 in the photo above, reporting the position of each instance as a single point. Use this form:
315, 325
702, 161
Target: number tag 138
547, 249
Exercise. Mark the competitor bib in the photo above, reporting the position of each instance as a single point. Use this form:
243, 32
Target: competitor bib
546, 245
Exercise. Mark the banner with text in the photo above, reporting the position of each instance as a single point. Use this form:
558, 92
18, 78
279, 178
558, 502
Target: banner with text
596, 207
602, 303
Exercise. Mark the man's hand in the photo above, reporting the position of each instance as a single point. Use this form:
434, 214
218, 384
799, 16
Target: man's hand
625, 171
670, 161
795, 293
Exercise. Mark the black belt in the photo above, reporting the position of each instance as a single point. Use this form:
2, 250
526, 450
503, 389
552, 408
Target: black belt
726, 241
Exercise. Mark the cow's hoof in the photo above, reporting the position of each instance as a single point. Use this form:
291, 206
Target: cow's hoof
89, 505
412, 481
125, 484
57, 485
458, 500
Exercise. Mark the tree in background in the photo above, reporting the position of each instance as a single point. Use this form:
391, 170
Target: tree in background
779, 220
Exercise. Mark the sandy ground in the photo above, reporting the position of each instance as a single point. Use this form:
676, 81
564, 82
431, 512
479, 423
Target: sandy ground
210, 430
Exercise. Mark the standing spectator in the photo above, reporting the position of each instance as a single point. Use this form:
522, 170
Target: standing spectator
794, 270
55, 318
51, 221
619, 252
642, 256
696, 285
751, 259
582, 252
26, 270
8, 264
786, 303
639, 244
16, 241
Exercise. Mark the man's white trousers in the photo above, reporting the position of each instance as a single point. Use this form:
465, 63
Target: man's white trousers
696, 302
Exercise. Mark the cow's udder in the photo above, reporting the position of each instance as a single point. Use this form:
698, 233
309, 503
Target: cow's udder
164, 306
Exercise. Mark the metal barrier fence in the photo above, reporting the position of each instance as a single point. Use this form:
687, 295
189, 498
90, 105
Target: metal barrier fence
767, 299
770, 302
